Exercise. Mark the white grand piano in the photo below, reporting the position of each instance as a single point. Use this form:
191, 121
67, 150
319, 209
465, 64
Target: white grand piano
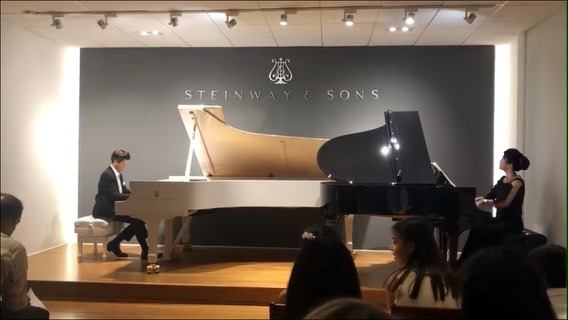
240, 169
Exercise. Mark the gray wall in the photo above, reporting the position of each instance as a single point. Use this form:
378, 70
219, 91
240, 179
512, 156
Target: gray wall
128, 99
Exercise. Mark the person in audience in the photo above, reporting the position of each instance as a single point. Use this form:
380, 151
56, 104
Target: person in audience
323, 270
347, 308
16, 302
319, 231
424, 278
551, 262
112, 188
503, 283
507, 196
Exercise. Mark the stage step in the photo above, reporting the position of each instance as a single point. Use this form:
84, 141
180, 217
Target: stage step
60, 309
168, 293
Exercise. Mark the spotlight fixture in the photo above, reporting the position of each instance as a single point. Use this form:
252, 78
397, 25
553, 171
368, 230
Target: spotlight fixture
404, 29
230, 22
348, 17
392, 29
409, 17
469, 18
284, 19
103, 23
56, 18
174, 18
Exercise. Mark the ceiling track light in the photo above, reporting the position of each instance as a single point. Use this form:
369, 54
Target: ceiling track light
56, 21
103, 23
231, 22
348, 17
469, 16
231, 13
409, 16
284, 19
174, 22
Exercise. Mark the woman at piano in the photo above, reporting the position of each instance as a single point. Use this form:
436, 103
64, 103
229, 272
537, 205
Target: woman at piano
424, 279
507, 197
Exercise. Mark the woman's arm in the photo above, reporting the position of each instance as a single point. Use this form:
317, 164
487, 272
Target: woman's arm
515, 186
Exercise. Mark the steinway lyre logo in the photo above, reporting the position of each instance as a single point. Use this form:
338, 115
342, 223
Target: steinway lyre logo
280, 73
156, 194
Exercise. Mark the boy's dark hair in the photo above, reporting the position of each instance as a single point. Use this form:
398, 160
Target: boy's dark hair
119, 155
11, 207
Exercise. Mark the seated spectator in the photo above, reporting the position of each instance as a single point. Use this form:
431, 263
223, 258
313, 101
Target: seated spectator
16, 303
347, 308
324, 270
424, 279
503, 283
551, 262
314, 232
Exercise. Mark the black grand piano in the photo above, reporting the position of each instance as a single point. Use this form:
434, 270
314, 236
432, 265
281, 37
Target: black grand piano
387, 172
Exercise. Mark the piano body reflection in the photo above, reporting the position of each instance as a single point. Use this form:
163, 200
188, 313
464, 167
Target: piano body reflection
387, 172
240, 169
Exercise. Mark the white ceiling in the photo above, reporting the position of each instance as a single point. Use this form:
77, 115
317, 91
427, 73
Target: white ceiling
440, 26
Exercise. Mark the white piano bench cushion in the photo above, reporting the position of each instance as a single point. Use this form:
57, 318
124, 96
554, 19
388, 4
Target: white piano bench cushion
91, 222
91, 230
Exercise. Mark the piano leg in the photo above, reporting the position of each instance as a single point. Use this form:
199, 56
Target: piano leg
453, 249
443, 242
153, 232
348, 224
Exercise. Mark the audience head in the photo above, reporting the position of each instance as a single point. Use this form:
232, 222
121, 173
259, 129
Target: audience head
550, 259
347, 308
415, 249
10, 213
318, 232
413, 242
503, 283
517, 159
324, 270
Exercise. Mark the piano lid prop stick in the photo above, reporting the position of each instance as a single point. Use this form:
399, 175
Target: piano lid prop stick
190, 155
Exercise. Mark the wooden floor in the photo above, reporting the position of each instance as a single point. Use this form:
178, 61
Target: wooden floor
207, 282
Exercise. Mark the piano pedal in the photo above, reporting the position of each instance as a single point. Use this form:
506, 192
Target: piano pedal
152, 268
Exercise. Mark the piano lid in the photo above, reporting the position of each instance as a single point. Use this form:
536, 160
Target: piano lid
225, 152
395, 153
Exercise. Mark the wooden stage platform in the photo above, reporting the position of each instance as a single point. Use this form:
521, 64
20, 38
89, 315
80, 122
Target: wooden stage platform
206, 275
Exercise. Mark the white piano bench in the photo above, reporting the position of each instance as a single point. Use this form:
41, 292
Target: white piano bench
92, 230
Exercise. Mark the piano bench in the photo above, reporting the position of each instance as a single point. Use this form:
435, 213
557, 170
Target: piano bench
91, 230
525, 240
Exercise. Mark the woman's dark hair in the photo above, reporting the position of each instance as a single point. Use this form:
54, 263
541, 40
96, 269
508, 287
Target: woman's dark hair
347, 308
426, 259
319, 231
503, 283
324, 270
517, 159
550, 259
